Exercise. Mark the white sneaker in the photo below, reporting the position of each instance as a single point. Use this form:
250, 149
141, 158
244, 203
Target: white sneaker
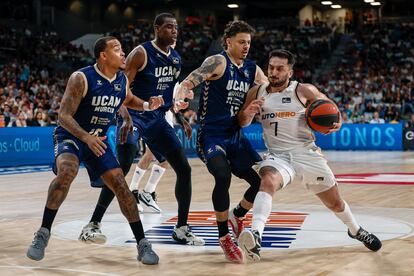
148, 202
91, 233
184, 235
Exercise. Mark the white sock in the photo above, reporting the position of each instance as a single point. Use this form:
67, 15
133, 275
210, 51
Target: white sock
348, 219
262, 206
155, 177
136, 178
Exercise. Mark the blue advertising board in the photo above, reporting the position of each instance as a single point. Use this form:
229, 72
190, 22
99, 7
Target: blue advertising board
34, 145
363, 137
26, 146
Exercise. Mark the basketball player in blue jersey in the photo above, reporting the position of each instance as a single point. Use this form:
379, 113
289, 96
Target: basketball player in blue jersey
293, 157
226, 78
93, 96
153, 69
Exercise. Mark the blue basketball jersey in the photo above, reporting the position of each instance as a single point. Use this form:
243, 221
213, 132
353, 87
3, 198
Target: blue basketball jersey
222, 99
158, 77
101, 102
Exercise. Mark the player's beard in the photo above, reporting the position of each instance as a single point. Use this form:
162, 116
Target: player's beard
279, 83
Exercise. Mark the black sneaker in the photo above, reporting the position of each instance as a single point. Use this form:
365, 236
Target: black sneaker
135, 193
368, 239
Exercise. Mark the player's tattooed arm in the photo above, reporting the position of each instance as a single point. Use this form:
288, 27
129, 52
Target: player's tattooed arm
213, 66
70, 102
75, 90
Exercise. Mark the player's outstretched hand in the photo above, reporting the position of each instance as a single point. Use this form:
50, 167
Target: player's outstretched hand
96, 144
254, 107
126, 127
155, 102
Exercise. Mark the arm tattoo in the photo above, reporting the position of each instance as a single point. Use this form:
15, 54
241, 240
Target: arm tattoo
205, 70
70, 103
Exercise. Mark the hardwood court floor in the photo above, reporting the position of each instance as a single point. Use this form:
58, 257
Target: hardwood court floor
22, 199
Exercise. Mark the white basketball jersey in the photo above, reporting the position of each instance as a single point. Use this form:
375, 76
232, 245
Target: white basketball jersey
283, 120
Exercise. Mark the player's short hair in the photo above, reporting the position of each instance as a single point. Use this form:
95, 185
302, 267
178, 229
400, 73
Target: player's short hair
100, 45
235, 27
159, 19
281, 53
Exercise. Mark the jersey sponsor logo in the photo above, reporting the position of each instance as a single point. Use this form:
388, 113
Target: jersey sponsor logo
237, 86
105, 103
283, 114
286, 100
165, 71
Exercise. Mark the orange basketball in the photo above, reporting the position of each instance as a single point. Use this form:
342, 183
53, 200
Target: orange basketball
321, 114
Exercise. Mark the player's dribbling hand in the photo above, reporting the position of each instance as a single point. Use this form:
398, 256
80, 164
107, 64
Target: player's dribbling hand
96, 144
155, 102
335, 128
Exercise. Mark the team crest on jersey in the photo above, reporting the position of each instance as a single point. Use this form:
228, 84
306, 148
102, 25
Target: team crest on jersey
175, 60
99, 82
117, 87
286, 100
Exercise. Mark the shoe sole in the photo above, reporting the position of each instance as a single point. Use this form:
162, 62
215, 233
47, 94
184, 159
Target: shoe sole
96, 240
246, 243
34, 258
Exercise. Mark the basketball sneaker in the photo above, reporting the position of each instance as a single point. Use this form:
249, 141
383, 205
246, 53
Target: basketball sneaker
91, 233
236, 224
145, 253
231, 250
184, 235
36, 250
368, 239
136, 193
250, 243
148, 202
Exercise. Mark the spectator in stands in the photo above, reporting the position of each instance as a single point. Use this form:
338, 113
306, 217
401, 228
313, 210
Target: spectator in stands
345, 118
20, 121
410, 123
2, 120
376, 119
37, 120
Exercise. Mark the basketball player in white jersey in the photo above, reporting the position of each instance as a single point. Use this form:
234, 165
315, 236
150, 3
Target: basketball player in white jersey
292, 154
147, 195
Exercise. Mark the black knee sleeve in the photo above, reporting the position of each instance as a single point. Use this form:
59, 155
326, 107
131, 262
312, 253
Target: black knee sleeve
126, 154
182, 169
254, 180
219, 167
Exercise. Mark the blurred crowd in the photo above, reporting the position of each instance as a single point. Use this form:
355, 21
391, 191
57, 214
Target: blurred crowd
374, 81
372, 84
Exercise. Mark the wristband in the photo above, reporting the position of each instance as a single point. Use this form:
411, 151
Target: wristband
146, 106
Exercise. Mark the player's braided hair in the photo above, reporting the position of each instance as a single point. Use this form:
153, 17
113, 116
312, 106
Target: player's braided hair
235, 27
